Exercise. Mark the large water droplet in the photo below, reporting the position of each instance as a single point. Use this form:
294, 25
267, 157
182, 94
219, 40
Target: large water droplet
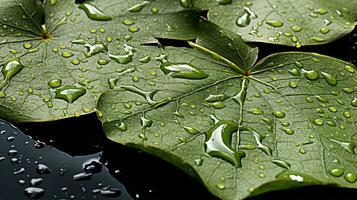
93, 12
122, 59
9, 70
95, 49
34, 192
70, 93
275, 23
281, 163
138, 7
218, 143
148, 95
350, 177
311, 74
337, 172
182, 70
329, 78
42, 169
245, 17
278, 114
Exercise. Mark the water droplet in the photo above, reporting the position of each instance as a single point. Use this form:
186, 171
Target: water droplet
92, 166
348, 90
42, 169
275, 23
93, 12
218, 143
221, 186
95, 49
102, 62
36, 181
122, 59
145, 123
245, 17
255, 111
296, 28
218, 105
9, 70
302, 151
281, 163
349, 69
317, 39
347, 114
288, 131
148, 95
122, 126
191, 130
12, 152
354, 102
293, 84
128, 22
294, 72
348, 146
138, 7
321, 11
34, 192
350, 177
55, 83
108, 192
318, 122
67, 54
70, 93
332, 109
216, 97
329, 78
337, 172
324, 30
82, 176
182, 70
311, 74
279, 114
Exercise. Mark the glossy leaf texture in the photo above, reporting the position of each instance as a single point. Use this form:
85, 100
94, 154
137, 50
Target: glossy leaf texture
286, 121
57, 58
284, 22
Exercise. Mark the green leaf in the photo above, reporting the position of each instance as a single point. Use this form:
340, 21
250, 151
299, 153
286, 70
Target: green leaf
287, 121
56, 59
293, 23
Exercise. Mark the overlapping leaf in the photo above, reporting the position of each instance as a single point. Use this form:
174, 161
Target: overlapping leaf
243, 128
58, 69
285, 22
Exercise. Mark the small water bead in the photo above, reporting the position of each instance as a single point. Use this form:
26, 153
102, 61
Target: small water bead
67, 54
34, 192
329, 78
145, 59
133, 29
255, 111
82, 176
275, 23
55, 83
155, 10
36, 181
294, 72
42, 169
324, 30
318, 122
95, 49
354, 102
198, 162
281, 163
279, 114
128, 22
138, 7
93, 12
332, 109
220, 186
293, 84
122, 59
311, 74
191, 130
75, 62
12, 152
321, 11
122, 126
348, 90
288, 131
182, 70
70, 93
296, 28
218, 105
302, 151
92, 166
102, 62
350, 177
27, 45
347, 114
337, 172
146, 123
216, 97
317, 39
245, 17
349, 69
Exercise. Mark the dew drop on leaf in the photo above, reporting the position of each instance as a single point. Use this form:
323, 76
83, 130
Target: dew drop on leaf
70, 93
182, 70
93, 12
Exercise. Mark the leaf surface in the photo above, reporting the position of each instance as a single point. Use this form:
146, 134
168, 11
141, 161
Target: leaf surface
285, 121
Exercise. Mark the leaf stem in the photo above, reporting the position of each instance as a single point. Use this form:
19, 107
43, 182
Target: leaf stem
216, 56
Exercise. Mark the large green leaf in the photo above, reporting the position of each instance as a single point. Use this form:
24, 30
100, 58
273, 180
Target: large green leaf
286, 22
241, 128
58, 69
